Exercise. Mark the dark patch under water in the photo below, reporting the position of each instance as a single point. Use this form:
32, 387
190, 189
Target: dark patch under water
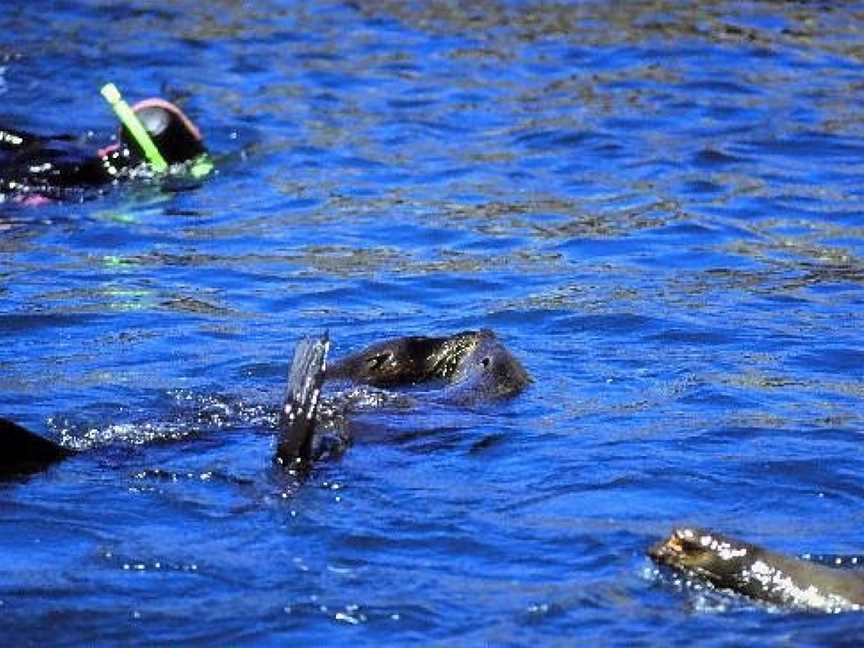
656, 205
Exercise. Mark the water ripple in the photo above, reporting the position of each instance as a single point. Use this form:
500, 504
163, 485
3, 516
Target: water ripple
656, 205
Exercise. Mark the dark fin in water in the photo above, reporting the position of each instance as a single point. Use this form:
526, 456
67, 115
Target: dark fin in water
297, 418
22, 452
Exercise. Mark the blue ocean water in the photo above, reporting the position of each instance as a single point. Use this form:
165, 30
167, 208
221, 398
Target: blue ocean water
656, 205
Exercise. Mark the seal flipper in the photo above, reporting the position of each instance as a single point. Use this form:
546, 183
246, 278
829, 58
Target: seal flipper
297, 417
23, 452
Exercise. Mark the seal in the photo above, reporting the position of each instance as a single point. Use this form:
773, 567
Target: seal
23, 452
467, 368
473, 365
760, 574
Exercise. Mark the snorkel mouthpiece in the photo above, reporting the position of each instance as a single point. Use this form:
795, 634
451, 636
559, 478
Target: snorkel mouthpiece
134, 126
201, 166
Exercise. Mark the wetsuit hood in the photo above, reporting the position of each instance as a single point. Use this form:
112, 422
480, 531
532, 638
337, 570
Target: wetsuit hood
176, 137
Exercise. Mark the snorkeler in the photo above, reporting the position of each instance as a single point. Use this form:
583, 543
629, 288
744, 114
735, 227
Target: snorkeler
155, 137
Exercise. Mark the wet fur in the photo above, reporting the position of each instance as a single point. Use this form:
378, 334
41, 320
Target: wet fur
759, 573
473, 365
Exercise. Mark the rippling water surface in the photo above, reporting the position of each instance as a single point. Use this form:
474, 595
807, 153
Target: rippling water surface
658, 206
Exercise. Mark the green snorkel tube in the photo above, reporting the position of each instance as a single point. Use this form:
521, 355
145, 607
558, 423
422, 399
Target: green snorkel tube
134, 126
200, 166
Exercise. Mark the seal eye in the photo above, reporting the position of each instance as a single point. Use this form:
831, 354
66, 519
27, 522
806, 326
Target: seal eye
486, 362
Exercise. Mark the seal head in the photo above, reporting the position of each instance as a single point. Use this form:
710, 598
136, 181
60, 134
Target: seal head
485, 371
711, 556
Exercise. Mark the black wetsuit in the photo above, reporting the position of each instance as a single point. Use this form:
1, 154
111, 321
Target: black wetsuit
57, 168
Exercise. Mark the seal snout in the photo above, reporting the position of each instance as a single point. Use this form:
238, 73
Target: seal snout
674, 549
665, 551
